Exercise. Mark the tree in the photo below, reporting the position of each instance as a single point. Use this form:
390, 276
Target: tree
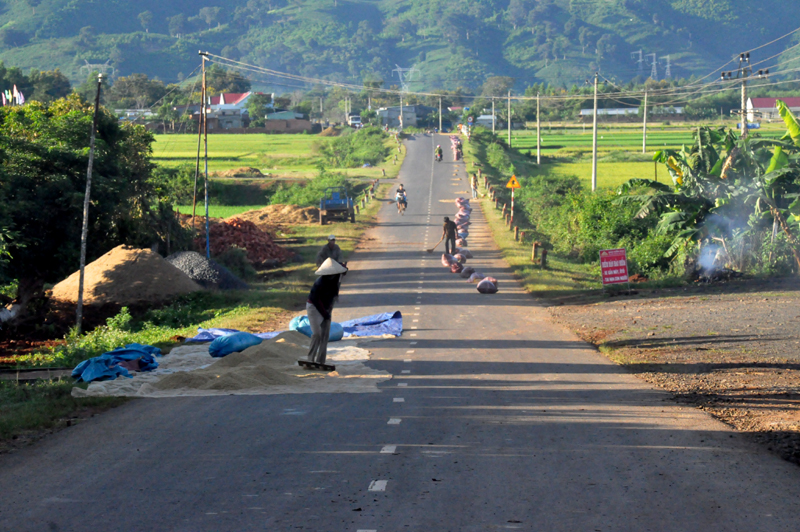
12, 37
584, 36
517, 12
177, 25
136, 90
210, 15
49, 85
220, 80
145, 19
45, 151
86, 36
496, 86
257, 108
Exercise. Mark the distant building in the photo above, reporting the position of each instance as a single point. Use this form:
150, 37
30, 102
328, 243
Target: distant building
284, 115
764, 108
625, 111
391, 116
486, 121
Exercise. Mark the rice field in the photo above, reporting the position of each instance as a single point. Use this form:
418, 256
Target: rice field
290, 156
219, 211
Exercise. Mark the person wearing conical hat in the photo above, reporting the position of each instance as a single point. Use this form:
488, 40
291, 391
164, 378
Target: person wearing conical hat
319, 308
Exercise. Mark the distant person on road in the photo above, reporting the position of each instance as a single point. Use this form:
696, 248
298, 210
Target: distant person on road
319, 308
474, 183
449, 231
329, 251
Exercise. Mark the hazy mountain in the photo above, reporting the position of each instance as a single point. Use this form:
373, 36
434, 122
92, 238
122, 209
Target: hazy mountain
451, 42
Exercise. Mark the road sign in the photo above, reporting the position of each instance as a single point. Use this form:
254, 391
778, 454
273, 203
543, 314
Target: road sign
513, 183
614, 266
469, 119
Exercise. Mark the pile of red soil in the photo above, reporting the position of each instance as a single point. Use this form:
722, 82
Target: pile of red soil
244, 234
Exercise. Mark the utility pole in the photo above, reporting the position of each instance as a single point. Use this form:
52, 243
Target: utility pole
493, 120
594, 137
538, 134
509, 119
199, 146
644, 125
744, 72
205, 142
321, 110
440, 115
86, 199
401, 111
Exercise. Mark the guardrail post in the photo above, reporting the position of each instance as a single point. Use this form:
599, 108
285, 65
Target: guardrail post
544, 259
516, 233
534, 250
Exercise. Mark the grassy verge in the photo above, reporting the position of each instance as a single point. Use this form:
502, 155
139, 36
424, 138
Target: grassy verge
33, 408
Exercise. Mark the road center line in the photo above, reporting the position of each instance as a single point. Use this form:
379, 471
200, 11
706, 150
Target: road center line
394, 421
388, 449
378, 485
406, 371
399, 400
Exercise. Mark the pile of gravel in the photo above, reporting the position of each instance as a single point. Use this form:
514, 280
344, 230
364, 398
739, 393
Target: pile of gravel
206, 272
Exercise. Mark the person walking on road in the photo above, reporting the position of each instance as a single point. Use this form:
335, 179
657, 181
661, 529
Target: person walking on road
329, 251
474, 183
319, 308
449, 231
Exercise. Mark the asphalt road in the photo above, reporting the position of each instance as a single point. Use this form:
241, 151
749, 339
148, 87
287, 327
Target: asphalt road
495, 419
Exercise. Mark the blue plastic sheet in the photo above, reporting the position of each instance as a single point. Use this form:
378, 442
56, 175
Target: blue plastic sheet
232, 343
386, 323
301, 325
107, 366
375, 325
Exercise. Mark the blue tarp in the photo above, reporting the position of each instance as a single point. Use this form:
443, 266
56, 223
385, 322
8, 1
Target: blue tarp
107, 366
375, 325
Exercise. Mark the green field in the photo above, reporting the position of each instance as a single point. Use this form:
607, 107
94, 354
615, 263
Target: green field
277, 156
567, 150
219, 211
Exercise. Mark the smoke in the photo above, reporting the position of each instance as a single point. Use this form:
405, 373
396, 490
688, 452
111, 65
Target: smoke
708, 258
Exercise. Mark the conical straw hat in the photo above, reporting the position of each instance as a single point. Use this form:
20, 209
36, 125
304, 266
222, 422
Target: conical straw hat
330, 267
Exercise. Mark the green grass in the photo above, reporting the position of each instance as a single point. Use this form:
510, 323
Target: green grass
288, 156
219, 211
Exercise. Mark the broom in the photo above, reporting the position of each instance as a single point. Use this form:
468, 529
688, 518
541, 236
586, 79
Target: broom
434, 247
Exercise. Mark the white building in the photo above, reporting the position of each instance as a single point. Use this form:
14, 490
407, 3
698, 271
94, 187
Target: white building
764, 108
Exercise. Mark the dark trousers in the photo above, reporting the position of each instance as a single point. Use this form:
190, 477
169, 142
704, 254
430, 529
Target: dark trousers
450, 245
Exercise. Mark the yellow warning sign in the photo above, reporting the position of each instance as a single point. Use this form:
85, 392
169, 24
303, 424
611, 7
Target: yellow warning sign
513, 183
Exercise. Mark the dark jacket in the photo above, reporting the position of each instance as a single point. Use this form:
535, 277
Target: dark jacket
324, 293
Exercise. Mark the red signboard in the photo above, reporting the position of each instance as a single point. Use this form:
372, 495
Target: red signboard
614, 266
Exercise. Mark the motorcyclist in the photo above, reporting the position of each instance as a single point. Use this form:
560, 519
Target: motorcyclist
400, 197
438, 152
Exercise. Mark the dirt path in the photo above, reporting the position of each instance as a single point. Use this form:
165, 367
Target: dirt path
731, 349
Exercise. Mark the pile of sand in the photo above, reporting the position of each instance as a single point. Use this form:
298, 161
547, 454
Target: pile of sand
126, 276
329, 132
266, 369
245, 171
273, 215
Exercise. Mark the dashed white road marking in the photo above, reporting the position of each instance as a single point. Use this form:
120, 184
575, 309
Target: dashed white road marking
407, 360
415, 321
406, 371
388, 449
412, 334
363, 530
413, 343
409, 352
394, 421
402, 384
378, 485
399, 400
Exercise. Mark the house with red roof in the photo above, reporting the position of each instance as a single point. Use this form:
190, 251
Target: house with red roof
764, 108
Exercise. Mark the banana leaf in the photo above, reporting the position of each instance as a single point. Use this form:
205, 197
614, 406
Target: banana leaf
792, 126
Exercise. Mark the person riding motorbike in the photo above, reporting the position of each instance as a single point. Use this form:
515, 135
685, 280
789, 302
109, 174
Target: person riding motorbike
401, 198
438, 153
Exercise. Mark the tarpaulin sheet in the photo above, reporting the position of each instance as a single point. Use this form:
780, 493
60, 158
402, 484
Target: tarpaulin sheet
375, 325
107, 366
386, 323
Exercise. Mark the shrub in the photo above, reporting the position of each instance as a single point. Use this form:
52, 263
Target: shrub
355, 148
309, 194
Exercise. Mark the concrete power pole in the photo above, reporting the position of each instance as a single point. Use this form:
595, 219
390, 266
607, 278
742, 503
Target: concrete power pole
594, 137
440, 115
538, 134
509, 119
744, 72
644, 125
493, 120
86, 200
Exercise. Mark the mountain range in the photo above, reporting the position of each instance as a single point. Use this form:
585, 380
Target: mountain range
449, 43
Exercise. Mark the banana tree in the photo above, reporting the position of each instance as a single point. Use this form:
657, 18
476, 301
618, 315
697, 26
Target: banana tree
723, 186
